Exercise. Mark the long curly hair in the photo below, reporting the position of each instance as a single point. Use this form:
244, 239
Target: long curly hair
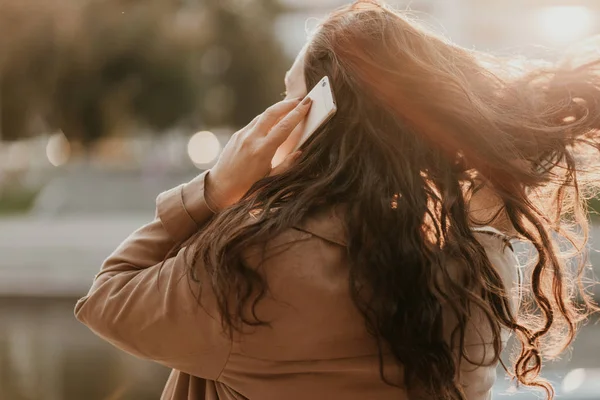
423, 129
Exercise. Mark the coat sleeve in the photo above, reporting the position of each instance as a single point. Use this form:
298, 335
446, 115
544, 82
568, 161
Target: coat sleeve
142, 300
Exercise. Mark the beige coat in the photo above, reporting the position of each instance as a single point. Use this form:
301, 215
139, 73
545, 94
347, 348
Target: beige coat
317, 346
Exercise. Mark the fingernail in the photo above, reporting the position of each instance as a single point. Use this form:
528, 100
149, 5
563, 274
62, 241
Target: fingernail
306, 101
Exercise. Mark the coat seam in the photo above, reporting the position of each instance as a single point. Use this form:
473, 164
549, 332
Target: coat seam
320, 236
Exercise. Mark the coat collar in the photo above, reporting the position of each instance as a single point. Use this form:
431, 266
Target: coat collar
328, 224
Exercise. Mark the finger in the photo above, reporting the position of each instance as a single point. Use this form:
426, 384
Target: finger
252, 123
286, 164
284, 128
273, 114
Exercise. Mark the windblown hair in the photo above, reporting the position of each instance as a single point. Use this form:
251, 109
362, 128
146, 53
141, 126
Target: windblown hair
424, 128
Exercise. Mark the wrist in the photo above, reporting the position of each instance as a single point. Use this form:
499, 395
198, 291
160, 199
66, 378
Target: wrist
210, 197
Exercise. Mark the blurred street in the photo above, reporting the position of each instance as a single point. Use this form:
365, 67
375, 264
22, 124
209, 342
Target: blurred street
58, 256
59, 246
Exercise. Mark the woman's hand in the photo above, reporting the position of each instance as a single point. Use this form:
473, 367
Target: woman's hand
248, 154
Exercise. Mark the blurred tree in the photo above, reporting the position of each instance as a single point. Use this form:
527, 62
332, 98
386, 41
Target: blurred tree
97, 68
243, 66
125, 68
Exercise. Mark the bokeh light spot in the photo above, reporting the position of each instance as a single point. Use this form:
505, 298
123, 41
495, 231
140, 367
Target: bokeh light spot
573, 380
58, 149
563, 24
203, 147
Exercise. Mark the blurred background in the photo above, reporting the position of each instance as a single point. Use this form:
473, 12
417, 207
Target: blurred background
104, 104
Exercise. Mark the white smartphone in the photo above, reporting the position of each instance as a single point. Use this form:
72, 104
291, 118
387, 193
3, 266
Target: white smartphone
322, 109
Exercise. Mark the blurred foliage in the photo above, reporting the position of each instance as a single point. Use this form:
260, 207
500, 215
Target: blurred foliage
17, 200
94, 68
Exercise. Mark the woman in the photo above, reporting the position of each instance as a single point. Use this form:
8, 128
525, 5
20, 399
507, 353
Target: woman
373, 264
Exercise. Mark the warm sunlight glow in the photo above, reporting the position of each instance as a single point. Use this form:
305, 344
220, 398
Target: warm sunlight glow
563, 24
203, 147
58, 149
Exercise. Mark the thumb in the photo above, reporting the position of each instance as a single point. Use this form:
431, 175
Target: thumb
286, 164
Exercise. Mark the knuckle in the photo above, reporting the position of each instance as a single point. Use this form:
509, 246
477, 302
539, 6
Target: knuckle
236, 135
246, 143
254, 151
245, 134
285, 126
269, 112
